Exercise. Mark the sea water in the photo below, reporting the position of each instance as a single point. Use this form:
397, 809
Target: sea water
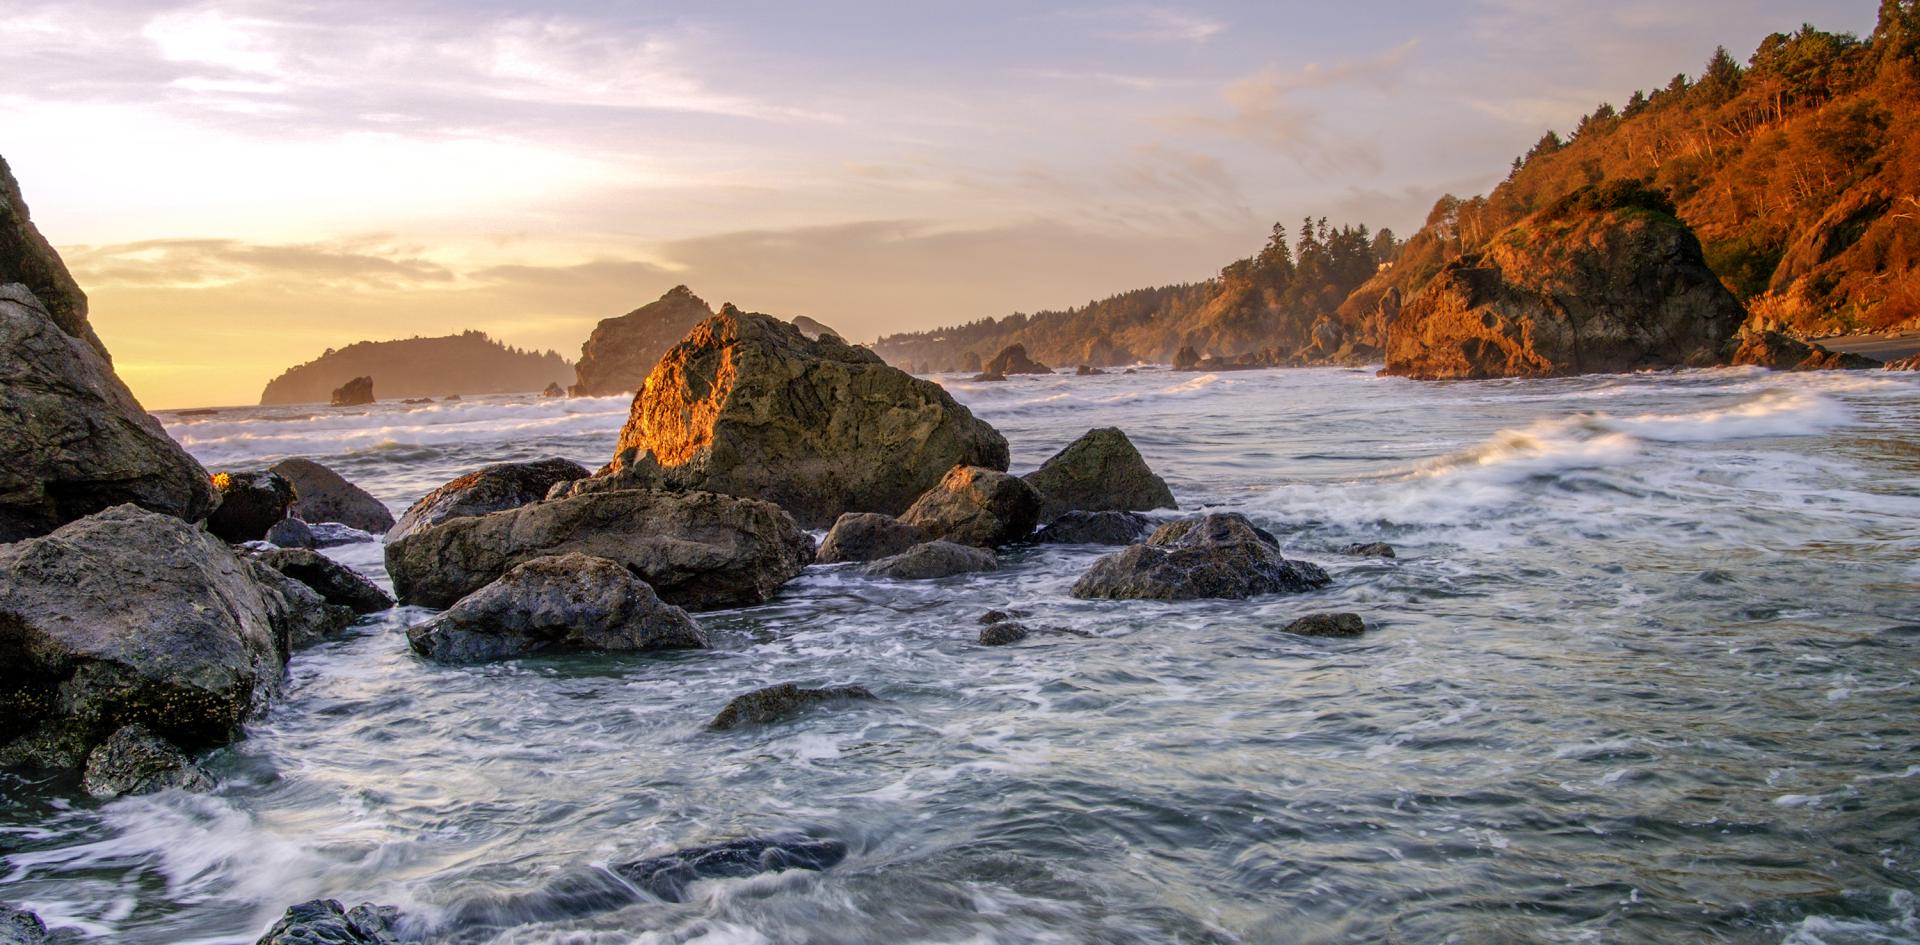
1646, 669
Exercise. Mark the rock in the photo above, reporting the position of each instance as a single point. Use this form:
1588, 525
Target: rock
416, 400
1100, 471
129, 616
291, 533
669, 876
976, 506
933, 559
450, 398
1013, 360
1909, 363
334, 582
488, 489
1003, 633
1186, 359
814, 330
747, 405
1094, 528
76, 441
782, 702
297, 611
334, 534
1771, 349
555, 604
27, 258
970, 363
1000, 616
1086, 371
1328, 625
1372, 549
133, 760
621, 351
1218, 555
699, 550
867, 536
326, 922
250, 504
322, 495
553, 389
1606, 280
18, 926
353, 393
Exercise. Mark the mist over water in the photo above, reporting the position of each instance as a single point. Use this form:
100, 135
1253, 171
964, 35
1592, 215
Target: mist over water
1644, 671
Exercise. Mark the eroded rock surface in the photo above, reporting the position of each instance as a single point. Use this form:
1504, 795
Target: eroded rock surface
975, 506
1219, 555
1100, 471
560, 603
488, 489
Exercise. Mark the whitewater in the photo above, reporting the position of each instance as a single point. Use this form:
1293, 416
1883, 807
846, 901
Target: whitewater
1646, 669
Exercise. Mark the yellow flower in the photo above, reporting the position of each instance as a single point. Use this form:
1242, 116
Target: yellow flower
221, 481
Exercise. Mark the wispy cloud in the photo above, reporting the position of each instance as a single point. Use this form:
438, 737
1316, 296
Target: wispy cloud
1159, 25
209, 263
1268, 108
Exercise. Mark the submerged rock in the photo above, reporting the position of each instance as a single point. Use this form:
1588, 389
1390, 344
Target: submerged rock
322, 495
976, 506
76, 440
250, 504
782, 702
1003, 632
669, 876
133, 760
1100, 471
488, 489
334, 582
867, 536
18, 926
326, 922
1219, 555
620, 352
1372, 549
559, 603
553, 389
1771, 349
933, 559
699, 550
1328, 625
129, 616
747, 405
354, 393
1013, 360
1094, 528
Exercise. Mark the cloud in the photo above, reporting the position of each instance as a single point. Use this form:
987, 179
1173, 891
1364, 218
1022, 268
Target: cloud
1158, 25
1266, 108
204, 263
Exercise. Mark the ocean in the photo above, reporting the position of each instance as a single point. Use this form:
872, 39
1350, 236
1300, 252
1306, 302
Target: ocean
1646, 669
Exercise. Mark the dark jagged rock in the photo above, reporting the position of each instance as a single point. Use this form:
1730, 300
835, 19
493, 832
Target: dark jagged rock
976, 506
1100, 471
326, 922
1000, 616
1003, 633
322, 495
133, 760
669, 876
334, 534
334, 582
933, 559
554, 389
699, 550
1219, 555
815, 330
494, 488
354, 393
298, 612
1186, 359
782, 702
1602, 285
1087, 371
27, 258
1771, 349
1909, 363
1094, 528
1372, 549
560, 603
987, 377
867, 536
18, 926
620, 353
1013, 360
291, 533
1328, 625
747, 405
129, 616
250, 504
76, 441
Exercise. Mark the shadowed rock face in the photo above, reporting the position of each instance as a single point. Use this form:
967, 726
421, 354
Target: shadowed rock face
1013, 360
621, 352
334, 582
1771, 349
136, 761
1591, 292
1099, 472
747, 405
1094, 528
75, 440
250, 504
494, 488
975, 506
867, 536
699, 550
1219, 555
354, 393
326, 922
560, 603
933, 559
322, 495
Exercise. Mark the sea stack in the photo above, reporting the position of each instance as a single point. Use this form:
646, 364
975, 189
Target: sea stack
620, 353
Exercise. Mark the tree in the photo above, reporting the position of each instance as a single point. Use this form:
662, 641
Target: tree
1720, 81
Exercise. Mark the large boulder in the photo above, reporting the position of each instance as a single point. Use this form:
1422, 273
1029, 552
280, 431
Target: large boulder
76, 441
1099, 472
555, 604
747, 405
130, 616
699, 550
354, 393
335, 582
326, 922
250, 504
621, 352
494, 488
322, 495
933, 559
133, 760
972, 505
1771, 349
867, 536
1605, 281
1013, 359
1219, 555
1094, 528
782, 702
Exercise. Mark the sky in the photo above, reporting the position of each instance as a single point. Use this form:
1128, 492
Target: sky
241, 185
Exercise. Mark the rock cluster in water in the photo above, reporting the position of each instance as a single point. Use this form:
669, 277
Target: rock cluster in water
557, 603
